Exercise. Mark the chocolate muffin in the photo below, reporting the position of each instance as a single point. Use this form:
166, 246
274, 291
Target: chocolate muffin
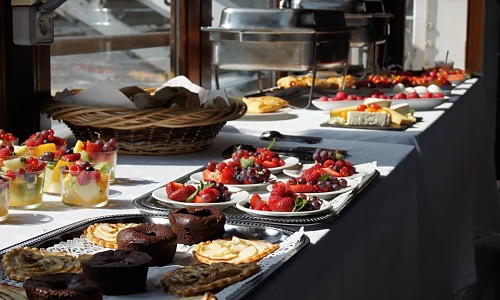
68, 286
118, 272
157, 240
197, 224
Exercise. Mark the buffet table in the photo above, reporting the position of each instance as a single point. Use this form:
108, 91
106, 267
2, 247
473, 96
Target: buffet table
408, 235
447, 139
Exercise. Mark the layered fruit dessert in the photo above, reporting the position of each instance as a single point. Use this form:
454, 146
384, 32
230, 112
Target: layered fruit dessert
85, 185
99, 151
44, 141
54, 162
4, 197
27, 175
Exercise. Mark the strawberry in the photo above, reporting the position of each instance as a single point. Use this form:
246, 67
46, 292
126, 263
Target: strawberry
279, 189
269, 164
302, 188
262, 206
339, 163
172, 186
11, 174
71, 157
255, 200
227, 176
92, 147
332, 172
59, 153
328, 162
281, 204
209, 175
312, 175
183, 193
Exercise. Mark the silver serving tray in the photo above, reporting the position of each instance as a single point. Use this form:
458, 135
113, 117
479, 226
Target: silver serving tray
149, 205
242, 229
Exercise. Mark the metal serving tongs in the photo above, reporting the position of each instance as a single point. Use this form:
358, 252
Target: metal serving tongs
278, 136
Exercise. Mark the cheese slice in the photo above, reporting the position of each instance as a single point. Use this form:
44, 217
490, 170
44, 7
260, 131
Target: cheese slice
368, 118
398, 118
338, 111
403, 108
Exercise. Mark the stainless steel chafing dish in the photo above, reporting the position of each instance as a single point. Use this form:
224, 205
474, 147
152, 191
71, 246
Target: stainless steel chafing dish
279, 39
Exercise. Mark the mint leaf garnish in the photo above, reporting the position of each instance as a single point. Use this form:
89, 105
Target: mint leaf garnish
299, 204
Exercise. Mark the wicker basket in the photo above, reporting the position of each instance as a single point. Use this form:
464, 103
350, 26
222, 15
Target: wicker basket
154, 131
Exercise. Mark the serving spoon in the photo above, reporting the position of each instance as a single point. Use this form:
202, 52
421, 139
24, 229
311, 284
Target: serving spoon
272, 134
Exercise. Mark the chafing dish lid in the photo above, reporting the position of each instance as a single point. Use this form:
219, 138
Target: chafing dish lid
255, 19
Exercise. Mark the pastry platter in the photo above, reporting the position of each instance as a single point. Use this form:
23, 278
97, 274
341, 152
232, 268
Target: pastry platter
69, 239
237, 195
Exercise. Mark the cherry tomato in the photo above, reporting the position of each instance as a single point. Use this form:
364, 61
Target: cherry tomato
361, 107
375, 106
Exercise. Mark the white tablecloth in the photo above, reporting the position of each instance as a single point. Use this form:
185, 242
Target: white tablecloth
407, 236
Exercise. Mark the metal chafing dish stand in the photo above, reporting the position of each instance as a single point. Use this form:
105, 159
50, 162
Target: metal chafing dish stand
293, 40
367, 19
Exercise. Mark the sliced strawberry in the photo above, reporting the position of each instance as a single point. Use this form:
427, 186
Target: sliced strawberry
71, 157
255, 200
302, 188
209, 175
269, 164
227, 176
262, 206
183, 193
172, 186
11, 174
332, 172
281, 204
313, 174
92, 147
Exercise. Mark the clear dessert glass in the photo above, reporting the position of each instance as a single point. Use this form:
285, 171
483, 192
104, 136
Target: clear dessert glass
4, 197
52, 182
84, 188
26, 190
109, 157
